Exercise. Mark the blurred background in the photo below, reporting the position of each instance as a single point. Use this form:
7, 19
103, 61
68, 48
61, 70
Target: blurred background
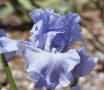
14, 18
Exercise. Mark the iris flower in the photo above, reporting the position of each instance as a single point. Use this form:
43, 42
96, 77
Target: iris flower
49, 59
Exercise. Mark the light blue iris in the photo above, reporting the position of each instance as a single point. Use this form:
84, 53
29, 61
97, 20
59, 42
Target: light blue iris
48, 59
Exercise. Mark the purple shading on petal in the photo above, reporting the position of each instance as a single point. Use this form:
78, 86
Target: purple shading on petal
39, 14
86, 65
40, 83
66, 25
53, 34
2, 33
6, 44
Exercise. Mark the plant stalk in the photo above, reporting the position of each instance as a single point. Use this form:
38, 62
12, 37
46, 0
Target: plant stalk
8, 72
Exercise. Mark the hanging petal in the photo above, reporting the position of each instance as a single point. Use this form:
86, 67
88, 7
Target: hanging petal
7, 45
49, 66
2, 33
86, 65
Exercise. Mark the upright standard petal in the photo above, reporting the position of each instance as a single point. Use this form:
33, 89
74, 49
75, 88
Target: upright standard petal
39, 14
65, 25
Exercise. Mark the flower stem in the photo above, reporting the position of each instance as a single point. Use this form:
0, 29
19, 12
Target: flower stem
8, 72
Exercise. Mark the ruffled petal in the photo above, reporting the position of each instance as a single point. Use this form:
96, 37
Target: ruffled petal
73, 29
65, 25
7, 45
35, 64
47, 67
9, 55
75, 34
39, 14
86, 65
71, 60
43, 41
